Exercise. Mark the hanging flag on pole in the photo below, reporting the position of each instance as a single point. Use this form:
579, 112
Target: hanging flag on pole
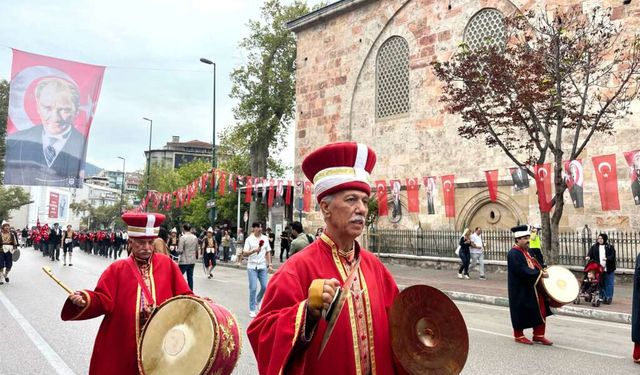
248, 190
413, 199
289, 187
308, 188
543, 184
449, 192
607, 176
381, 196
492, 183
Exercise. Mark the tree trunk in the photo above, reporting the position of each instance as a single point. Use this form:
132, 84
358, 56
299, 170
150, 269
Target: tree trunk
258, 160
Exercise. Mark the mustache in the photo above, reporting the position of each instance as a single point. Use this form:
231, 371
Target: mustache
357, 218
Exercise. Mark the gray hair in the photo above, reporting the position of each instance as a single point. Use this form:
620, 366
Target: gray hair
327, 198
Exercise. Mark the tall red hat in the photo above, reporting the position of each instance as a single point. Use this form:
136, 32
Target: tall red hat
339, 166
142, 225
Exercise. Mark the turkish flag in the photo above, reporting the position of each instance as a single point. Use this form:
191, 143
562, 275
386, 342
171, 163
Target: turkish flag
289, 187
222, 183
607, 176
306, 199
381, 196
449, 192
492, 184
233, 181
249, 190
543, 184
271, 193
413, 200
213, 178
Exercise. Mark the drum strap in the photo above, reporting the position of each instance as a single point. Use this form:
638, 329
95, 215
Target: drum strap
529, 258
138, 276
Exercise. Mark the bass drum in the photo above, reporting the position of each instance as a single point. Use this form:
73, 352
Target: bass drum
189, 335
561, 287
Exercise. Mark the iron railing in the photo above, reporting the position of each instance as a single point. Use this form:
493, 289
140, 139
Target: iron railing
574, 246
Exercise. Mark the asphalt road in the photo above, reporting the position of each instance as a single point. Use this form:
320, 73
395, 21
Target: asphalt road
35, 341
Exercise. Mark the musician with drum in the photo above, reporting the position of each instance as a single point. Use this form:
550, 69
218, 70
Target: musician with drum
299, 315
126, 294
527, 303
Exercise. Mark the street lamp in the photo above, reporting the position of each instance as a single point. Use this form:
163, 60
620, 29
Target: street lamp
123, 182
213, 144
146, 190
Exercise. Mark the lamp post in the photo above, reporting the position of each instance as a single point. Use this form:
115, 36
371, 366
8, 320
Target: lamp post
213, 144
146, 190
123, 182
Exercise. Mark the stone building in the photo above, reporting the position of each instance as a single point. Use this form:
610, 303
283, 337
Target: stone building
364, 74
175, 153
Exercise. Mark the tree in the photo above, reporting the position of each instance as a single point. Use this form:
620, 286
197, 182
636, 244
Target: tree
4, 110
12, 198
98, 218
265, 85
545, 92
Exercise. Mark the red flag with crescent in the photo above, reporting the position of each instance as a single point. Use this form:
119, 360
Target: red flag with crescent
607, 176
306, 198
413, 199
381, 196
449, 193
543, 184
492, 184
249, 191
222, 183
213, 178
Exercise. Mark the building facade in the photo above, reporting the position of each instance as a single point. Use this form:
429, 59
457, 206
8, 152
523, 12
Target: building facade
175, 153
363, 74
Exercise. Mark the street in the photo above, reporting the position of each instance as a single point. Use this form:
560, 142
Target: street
36, 341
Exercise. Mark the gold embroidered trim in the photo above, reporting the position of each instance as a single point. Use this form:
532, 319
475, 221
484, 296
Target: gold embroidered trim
335, 171
365, 294
88, 297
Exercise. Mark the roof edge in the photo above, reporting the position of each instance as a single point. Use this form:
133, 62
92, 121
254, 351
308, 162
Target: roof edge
324, 13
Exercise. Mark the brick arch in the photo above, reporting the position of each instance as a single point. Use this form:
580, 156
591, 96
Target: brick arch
481, 200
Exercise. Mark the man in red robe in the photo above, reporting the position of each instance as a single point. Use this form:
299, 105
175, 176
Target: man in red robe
126, 293
286, 335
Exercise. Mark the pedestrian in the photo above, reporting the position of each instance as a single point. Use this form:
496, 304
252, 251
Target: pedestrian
300, 238
67, 244
635, 312
464, 254
535, 247
218, 237
477, 251
55, 239
9, 244
239, 246
604, 253
25, 237
256, 248
188, 251
285, 243
172, 243
160, 243
527, 305
287, 333
209, 251
272, 241
126, 294
226, 245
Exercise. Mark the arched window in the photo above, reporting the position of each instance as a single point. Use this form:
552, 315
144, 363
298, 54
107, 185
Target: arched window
392, 78
486, 28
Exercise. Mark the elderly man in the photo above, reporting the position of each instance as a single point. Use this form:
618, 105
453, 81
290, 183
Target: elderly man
126, 293
527, 304
287, 333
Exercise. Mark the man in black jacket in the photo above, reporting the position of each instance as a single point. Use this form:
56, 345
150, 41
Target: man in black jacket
55, 237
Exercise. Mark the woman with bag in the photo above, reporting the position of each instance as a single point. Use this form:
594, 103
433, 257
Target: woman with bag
604, 253
464, 253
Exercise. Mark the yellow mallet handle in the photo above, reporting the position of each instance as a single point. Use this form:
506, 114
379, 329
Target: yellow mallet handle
47, 270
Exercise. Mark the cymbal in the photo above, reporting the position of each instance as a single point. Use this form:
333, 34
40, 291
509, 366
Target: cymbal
428, 332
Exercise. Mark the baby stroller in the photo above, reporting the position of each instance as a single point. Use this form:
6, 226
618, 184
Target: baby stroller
591, 283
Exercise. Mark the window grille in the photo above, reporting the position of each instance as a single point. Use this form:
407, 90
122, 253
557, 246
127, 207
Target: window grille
392, 78
486, 28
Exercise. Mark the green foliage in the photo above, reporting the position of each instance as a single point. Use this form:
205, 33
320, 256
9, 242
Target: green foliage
98, 218
12, 198
4, 109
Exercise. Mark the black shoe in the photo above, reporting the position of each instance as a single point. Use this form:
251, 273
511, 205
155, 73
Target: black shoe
70, 264
6, 279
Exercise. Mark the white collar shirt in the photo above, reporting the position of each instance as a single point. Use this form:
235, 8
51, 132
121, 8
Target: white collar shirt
257, 260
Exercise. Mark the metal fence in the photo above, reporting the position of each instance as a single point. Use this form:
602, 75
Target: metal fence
574, 246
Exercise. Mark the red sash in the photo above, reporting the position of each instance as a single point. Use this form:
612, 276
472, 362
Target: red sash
143, 286
531, 262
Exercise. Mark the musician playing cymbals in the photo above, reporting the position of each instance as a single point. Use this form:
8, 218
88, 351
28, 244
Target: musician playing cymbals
527, 304
288, 332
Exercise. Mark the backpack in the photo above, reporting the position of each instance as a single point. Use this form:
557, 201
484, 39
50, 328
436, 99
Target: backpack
309, 238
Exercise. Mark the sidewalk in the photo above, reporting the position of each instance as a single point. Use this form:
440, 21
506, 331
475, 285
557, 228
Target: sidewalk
494, 290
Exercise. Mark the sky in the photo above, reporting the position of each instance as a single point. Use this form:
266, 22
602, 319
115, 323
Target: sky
151, 50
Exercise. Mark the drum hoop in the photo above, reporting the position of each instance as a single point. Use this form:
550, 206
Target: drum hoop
216, 341
547, 292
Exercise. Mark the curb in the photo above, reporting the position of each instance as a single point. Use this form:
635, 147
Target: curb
568, 310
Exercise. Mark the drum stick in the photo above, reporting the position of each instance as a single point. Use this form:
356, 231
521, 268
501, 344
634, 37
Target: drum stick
47, 270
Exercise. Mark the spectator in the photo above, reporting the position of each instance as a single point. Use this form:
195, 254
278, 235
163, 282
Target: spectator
535, 247
256, 247
477, 252
226, 244
272, 241
188, 251
239, 246
604, 253
465, 254
300, 238
285, 243
160, 243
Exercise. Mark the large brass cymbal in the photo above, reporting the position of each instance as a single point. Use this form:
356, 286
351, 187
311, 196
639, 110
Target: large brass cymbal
428, 332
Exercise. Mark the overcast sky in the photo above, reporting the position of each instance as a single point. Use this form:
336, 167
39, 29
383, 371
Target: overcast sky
151, 50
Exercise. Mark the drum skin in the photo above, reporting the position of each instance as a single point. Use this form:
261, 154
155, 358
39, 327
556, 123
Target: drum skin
189, 335
561, 287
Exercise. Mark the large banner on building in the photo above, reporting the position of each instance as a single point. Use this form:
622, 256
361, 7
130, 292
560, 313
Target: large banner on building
51, 107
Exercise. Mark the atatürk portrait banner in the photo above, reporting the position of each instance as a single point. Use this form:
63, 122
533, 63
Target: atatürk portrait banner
51, 106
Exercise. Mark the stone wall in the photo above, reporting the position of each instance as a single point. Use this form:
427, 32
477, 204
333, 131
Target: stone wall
336, 102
